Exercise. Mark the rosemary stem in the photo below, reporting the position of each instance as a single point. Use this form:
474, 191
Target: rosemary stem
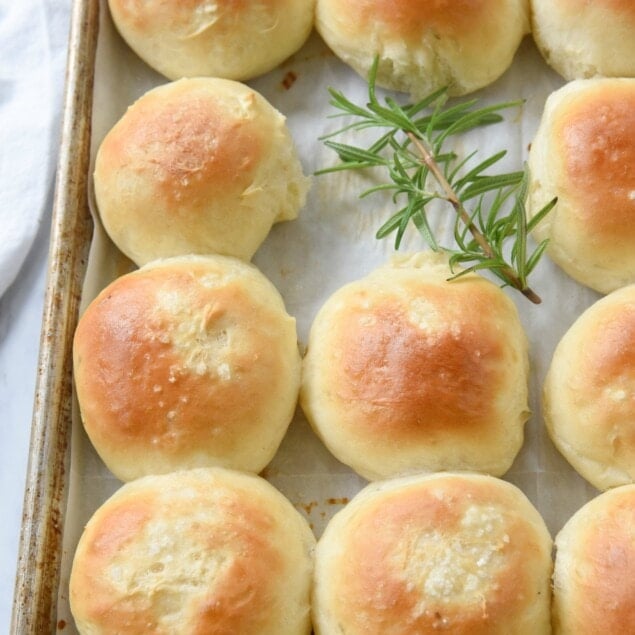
450, 194
428, 159
531, 295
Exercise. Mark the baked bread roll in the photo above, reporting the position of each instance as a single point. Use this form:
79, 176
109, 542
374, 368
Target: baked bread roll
426, 45
583, 153
457, 553
407, 372
589, 392
197, 166
236, 40
201, 551
581, 39
594, 573
187, 362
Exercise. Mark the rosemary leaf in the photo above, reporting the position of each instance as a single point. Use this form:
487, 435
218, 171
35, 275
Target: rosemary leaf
348, 153
532, 261
475, 172
421, 223
541, 214
485, 184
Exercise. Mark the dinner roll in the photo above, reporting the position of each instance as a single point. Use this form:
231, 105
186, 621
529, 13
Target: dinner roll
594, 574
197, 166
187, 362
408, 372
583, 153
235, 39
589, 393
193, 552
584, 38
457, 553
426, 45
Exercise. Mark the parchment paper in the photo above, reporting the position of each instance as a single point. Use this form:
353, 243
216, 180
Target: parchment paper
331, 244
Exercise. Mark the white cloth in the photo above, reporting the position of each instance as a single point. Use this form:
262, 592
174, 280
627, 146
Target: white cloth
33, 43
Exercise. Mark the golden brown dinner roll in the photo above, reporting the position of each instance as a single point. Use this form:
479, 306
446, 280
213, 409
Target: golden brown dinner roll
594, 574
408, 372
187, 362
426, 45
197, 166
586, 38
194, 552
589, 393
445, 553
235, 39
583, 153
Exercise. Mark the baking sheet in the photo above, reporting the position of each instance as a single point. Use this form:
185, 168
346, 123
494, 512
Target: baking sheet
40, 549
331, 244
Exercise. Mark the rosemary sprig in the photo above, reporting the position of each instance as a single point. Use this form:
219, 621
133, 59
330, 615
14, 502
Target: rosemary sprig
411, 149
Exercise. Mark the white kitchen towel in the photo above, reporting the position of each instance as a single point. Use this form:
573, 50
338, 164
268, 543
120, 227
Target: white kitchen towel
33, 44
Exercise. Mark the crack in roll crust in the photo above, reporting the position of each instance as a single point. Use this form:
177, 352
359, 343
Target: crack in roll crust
425, 45
462, 554
165, 357
232, 39
205, 551
589, 392
407, 372
197, 166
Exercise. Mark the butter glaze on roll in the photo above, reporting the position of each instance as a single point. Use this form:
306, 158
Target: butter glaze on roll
586, 38
192, 553
407, 372
187, 362
197, 166
424, 45
589, 393
594, 574
583, 153
233, 39
447, 553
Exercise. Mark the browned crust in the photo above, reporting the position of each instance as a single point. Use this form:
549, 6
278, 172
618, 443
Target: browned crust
171, 366
598, 151
419, 383
231, 535
594, 579
411, 20
183, 143
374, 574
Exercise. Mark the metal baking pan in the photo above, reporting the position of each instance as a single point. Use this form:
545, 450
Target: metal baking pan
40, 553
293, 259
